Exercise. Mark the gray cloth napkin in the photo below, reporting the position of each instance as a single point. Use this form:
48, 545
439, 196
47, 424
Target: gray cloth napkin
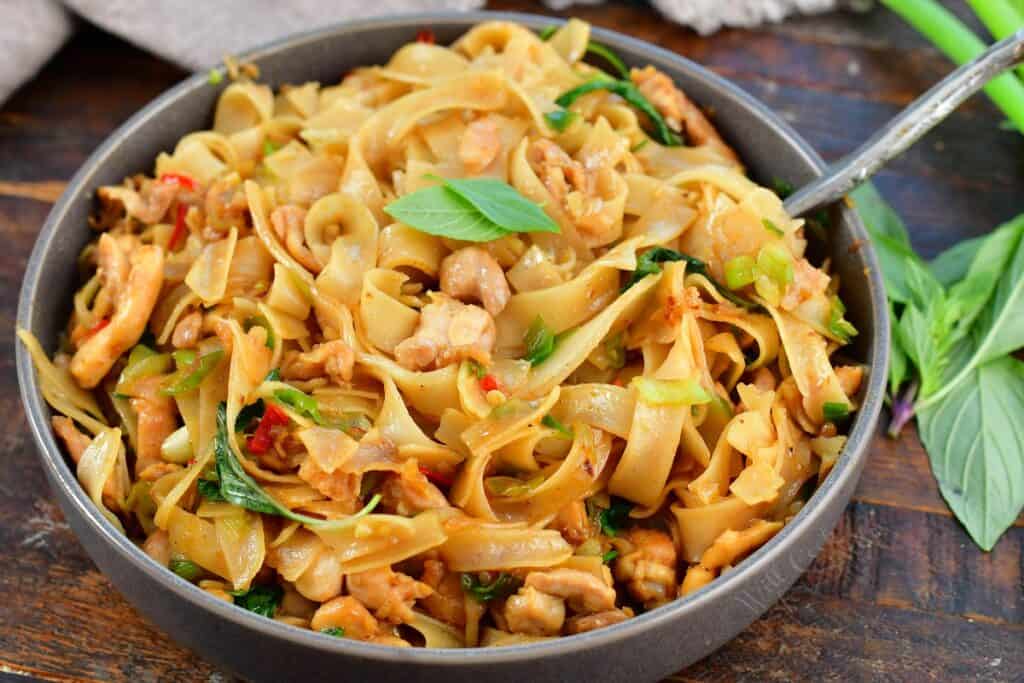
197, 35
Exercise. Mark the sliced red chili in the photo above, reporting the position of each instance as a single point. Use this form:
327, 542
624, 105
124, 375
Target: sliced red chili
425, 35
178, 179
489, 383
100, 324
180, 229
262, 439
436, 477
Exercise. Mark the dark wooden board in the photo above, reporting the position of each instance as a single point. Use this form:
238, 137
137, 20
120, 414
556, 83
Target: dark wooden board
898, 593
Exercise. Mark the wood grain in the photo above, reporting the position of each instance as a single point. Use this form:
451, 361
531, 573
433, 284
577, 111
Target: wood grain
898, 593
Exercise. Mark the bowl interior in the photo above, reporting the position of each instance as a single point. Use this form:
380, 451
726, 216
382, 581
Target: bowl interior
769, 148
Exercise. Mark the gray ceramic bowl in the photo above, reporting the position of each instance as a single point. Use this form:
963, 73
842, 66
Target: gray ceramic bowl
645, 648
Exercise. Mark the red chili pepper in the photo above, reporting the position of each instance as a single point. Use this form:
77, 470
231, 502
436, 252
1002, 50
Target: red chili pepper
489, 383
425, 35
617, 382
262, 438
100, 324
178, 179
438, 478
180, 229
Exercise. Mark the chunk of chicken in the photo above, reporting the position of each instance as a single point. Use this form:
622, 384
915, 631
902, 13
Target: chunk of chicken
339, 486
449, 331
649, 570
187, 331
133, 305
534, 613
288, 222
809, 284
388, 593
583, 591
583, 190
347, 613
678, 109
75, 441
148, 204
334, 359
480, 144
447, 603
572, 522
226, 207
157, 419
158, 546
591, 622
471, 273
409, 492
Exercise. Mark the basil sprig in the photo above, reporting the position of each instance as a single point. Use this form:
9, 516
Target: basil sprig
470, 209
632, 95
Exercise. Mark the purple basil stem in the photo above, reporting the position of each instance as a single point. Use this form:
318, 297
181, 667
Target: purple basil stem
902, 410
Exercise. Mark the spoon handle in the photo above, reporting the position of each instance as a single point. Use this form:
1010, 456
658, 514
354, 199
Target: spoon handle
904, 130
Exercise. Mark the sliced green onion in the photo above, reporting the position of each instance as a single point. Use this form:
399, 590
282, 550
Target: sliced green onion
609, 556
671, 392
261, 321
560, 119
639, 146
186, 569
269, 148
550, 421
336, 631
142, 362
739, 272
841, 329
775, 261
539, 341
772, 228
177, 447
546, 32
836, 412
304, 403
190, 377
768, 289
183, 358
214, 77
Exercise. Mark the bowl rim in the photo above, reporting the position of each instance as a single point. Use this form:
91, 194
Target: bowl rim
61, 475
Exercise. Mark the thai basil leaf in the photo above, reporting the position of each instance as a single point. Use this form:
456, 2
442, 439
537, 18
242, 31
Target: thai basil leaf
889, 236
975, 438
502, 204
439, 211
951, 265
210, 490
632, 95
613, 519
503, 586
263, 600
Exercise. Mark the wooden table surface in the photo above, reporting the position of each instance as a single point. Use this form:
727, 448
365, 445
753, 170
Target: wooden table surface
898, 593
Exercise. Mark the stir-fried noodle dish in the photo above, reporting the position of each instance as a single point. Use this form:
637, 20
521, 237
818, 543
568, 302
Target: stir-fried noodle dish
491, 344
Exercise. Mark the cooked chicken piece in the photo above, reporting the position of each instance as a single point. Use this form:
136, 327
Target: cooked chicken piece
188, 330
288, 222
337, 485
649, 570
158, 546
157, 419
572, 522
471, 273
449, 331
347, 613
447, 603
582, 189
388, 593
534, 613
583, 591
808, 283
148, 204
590, 622
409, 492
133, 304
480, 144
75, 441
226, 207
696, 577
850, 377
334, 359
678, 109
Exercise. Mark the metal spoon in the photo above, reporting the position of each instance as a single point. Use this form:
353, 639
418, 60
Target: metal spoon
904, 130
